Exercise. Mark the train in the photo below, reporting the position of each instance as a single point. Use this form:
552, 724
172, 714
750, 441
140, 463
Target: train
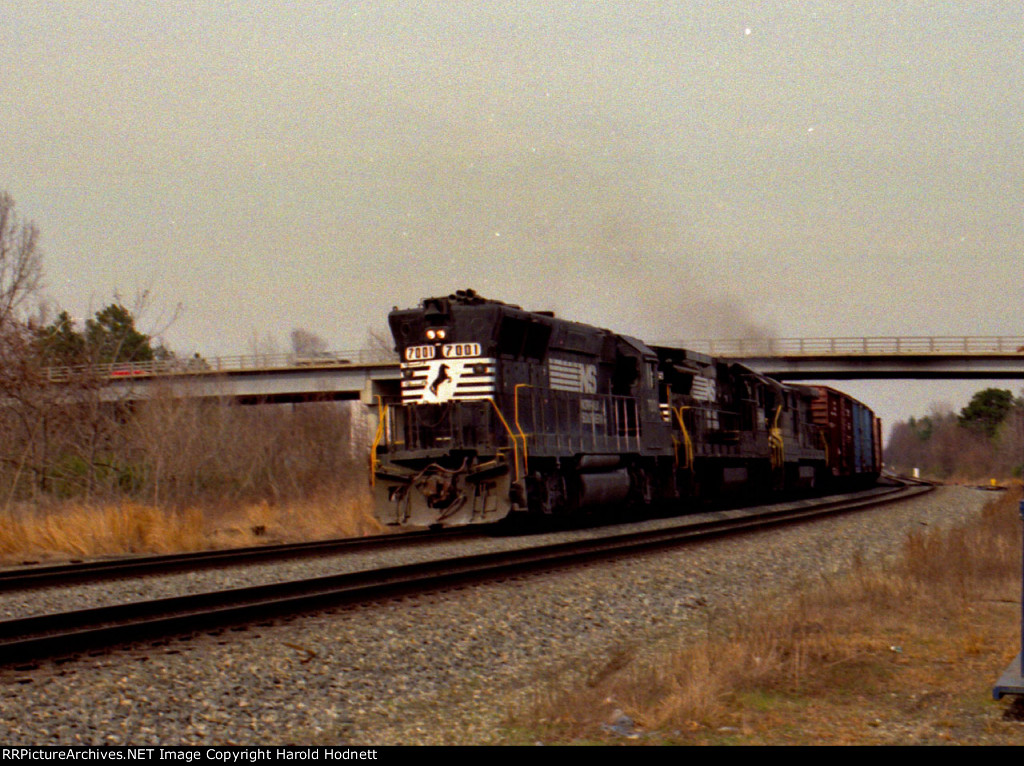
512, 414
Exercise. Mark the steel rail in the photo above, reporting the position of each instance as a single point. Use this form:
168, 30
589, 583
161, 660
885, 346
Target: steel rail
28, 577
71, 633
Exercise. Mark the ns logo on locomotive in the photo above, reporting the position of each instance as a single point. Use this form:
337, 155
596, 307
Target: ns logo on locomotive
505, 411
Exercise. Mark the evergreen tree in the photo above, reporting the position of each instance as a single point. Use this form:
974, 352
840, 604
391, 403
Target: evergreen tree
987, 410
60, 343
109, 337
112, 337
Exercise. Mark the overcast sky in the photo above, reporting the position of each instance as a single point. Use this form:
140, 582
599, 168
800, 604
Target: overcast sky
671, 170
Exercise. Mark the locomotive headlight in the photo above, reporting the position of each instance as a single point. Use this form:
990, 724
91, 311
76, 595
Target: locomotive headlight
441, 334
431, 334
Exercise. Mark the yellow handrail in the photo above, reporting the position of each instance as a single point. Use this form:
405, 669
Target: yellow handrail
382, 411
776, 442
824, 445
512, 436
522, 435
687, 441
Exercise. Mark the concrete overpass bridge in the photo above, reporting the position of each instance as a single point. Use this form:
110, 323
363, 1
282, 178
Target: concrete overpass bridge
890, 358
362, 375
250, 379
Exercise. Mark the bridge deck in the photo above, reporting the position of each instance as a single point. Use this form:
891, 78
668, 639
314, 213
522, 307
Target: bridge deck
364, 373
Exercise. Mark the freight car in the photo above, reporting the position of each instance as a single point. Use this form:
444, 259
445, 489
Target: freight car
506, 412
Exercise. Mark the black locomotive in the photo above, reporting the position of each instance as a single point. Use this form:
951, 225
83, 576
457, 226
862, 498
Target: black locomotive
505, 411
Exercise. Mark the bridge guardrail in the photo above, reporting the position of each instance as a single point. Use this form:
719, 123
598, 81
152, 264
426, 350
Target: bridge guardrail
865, 346
198, 365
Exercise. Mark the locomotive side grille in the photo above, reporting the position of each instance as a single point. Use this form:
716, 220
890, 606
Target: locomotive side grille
445, 380
569, 375
703, 389
565, 375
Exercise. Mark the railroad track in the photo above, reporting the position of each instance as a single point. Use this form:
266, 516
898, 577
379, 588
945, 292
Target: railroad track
69, 633
25, 578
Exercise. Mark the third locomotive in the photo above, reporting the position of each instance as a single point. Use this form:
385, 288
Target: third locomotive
505, 411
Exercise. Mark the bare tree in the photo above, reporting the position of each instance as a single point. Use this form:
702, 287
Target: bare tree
263, 346
21, 267
47, 412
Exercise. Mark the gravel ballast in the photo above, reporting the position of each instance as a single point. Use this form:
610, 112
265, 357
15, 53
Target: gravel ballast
445, 668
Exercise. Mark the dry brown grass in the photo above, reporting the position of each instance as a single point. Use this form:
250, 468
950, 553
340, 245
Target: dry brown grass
922, 639
326, 514
76, 530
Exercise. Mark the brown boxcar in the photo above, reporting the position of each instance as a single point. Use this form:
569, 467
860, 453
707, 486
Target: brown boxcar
852, 435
